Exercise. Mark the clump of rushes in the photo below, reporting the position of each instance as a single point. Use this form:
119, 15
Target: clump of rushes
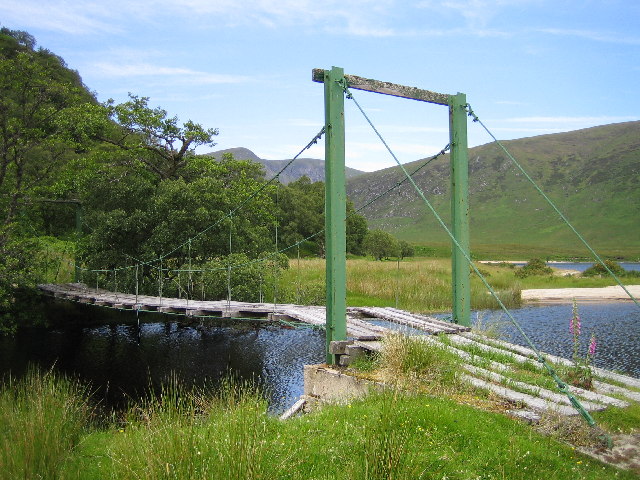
42, 418
191, 434
385, 453
415, 361
580, 373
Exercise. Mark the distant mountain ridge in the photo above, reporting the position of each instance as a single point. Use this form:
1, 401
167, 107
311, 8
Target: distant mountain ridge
311, 167
593, 175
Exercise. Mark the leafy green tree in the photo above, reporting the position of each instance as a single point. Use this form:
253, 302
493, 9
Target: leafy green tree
38, 96
597, 269
381, 244
535, 266
301, 212
151, 138
301, 215
135, 218
357, 230
406, 249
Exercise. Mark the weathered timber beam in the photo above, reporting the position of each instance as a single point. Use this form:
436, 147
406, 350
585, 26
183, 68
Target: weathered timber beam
386, 88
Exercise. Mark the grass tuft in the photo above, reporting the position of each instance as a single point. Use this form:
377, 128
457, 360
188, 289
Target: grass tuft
42, 418
412, 361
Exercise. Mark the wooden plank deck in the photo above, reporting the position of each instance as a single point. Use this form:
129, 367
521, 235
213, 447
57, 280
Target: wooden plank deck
366, 326
359, 325
613, 389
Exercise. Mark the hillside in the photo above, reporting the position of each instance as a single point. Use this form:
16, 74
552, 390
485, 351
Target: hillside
593, 175
311, 167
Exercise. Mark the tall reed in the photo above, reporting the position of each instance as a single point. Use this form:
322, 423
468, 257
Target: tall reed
42, 418
193, 434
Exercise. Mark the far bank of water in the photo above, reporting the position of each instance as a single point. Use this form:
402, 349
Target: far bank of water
582, 266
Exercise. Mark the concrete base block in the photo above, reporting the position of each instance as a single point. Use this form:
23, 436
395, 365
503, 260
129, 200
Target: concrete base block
339, 347
355, 351
330, 385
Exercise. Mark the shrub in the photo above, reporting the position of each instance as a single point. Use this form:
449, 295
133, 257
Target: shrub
598, 269
535, 266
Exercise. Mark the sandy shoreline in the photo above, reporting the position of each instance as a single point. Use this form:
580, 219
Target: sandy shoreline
567, 295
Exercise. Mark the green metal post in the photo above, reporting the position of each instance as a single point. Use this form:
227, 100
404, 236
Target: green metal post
76, 263
460, 209
335, 208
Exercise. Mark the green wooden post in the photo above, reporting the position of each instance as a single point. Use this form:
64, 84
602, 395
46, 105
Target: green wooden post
460, 209
335, 208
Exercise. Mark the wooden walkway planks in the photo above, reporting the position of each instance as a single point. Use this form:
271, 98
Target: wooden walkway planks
471, 348
358, 326
618, 390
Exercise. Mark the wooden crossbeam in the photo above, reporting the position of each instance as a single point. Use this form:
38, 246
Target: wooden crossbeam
386, 88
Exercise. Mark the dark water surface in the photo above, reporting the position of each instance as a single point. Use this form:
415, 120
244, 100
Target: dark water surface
121, 359
582, 266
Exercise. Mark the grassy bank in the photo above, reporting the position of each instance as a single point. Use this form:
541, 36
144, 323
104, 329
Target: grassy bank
189, 435
417, 284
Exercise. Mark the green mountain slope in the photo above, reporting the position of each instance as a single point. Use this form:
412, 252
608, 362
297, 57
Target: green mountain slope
592, 175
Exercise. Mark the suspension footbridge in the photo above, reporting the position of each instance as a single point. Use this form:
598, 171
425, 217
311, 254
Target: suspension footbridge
363, 327
366, 329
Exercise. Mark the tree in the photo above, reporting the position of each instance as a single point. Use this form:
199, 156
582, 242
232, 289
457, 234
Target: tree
357, 230
133, 217
598, 269
406, 249
302, 215
381, 244
151, 138
535, 266
38, 95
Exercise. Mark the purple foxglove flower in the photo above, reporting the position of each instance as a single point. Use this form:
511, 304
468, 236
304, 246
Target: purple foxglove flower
592, 345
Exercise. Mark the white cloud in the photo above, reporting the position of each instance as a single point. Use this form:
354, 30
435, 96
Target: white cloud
357, 17
186, 75
477, 13
77, 18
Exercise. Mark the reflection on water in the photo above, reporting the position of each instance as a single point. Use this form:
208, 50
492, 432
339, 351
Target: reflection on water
122, 360
616, 326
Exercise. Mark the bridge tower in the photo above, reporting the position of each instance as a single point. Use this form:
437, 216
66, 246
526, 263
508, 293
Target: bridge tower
335, 83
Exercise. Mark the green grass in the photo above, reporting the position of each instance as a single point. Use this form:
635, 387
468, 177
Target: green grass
419, 284
619, 420
416, 284
42, 420
193, 435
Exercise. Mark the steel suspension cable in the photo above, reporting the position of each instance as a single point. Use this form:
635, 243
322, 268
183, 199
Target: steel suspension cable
562, 386
472, 114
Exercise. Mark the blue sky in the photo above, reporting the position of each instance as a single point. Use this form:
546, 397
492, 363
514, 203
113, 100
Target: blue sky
528, 67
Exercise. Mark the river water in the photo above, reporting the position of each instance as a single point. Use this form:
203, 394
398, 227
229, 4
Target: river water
122, 360
582, 266
616, 326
